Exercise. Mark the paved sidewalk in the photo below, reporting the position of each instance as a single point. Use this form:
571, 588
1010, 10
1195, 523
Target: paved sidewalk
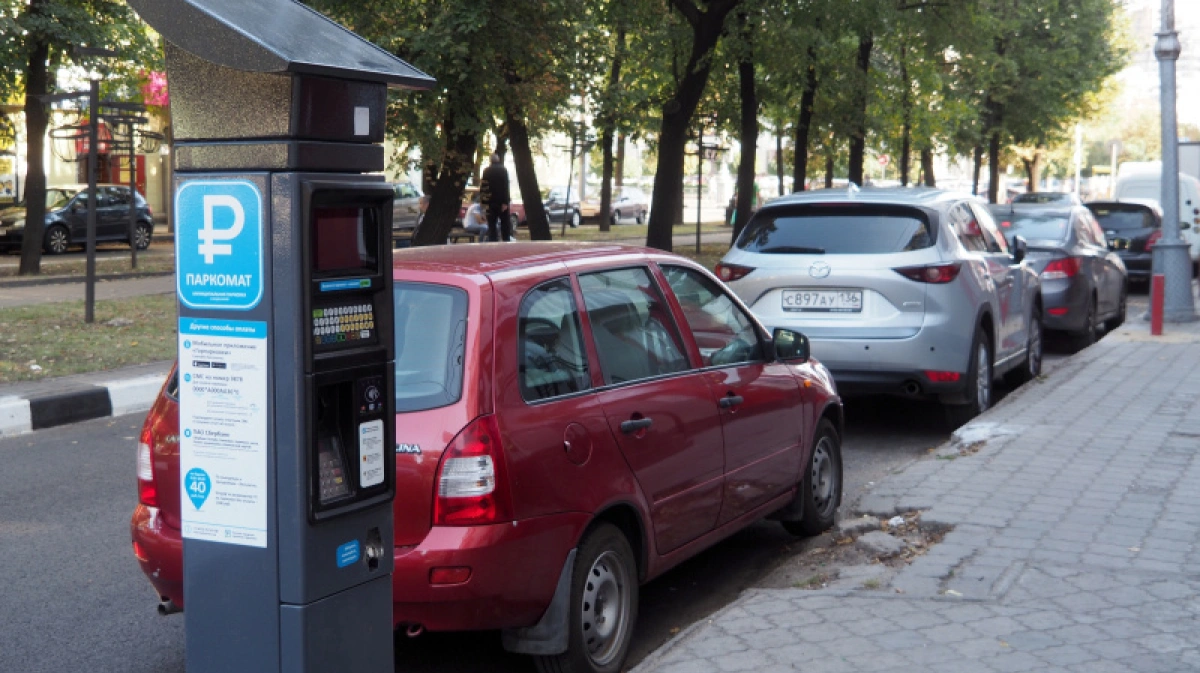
1074, 509
109, 289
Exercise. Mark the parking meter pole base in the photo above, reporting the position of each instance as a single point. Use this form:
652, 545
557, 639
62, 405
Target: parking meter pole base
286, 358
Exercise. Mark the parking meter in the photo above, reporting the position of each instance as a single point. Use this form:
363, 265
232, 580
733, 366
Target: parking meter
286, 354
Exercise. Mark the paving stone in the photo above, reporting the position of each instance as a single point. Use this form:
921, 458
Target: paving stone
880, 544
857, 525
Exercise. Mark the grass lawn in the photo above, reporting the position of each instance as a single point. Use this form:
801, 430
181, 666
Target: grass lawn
78, 267
48, 340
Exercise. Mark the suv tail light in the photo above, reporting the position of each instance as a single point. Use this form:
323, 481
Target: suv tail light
731, 272
147, 489
472, 481
936, 274
1063, 267
1155, 237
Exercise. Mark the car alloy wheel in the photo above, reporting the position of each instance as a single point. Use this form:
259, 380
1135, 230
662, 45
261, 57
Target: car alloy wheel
141, 236
1087, 336
983, 377
978, 390
57, 240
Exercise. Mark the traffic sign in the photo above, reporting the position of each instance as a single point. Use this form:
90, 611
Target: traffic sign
884, 159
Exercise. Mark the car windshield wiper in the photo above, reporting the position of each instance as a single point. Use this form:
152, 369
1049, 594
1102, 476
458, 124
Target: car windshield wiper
797, 249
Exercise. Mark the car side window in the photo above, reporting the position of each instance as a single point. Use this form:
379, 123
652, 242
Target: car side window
991, 234
632, 328
115, 196
967, 228
552, 359
724, 334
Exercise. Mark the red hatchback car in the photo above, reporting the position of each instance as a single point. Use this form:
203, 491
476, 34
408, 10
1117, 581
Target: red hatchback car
572, 421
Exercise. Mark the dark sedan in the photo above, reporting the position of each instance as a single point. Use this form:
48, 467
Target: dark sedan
1084, 284
66, 219
1132, 229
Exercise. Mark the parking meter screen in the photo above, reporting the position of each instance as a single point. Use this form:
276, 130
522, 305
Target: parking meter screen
345, 239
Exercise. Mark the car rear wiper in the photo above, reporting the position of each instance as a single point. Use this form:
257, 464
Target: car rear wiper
797, 249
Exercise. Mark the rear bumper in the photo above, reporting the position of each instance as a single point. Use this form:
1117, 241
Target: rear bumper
159, 550
1138, 265
514, 570
910, 383
1068, 295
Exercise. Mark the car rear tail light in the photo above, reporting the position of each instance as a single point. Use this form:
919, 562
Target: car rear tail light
931, 273
147, 488
731, 272
1060, 311
1155, 237
1063, 267
943, 377
452, 575
472, 480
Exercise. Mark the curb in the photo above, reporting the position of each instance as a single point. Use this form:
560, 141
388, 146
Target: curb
20, 415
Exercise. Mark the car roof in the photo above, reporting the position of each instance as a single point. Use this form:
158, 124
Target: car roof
493, 257
930, 197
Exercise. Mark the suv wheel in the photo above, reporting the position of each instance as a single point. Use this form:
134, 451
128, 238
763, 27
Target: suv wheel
979, 382
57, 240
821, 487
603, 607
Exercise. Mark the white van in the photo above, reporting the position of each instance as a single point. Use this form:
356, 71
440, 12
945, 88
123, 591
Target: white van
1143, 181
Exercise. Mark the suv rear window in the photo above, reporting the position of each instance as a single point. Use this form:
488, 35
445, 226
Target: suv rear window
837, 230
431, 335
1123, 219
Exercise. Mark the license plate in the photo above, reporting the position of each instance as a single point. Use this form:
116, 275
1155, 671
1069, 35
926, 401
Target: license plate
827, 301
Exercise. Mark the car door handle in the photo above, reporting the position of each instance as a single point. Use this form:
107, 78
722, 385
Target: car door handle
731, 401
630, 427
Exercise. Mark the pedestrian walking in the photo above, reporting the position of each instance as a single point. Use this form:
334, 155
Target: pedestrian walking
494, 195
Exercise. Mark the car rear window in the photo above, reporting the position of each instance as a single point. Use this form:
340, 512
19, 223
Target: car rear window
1119, 219
1040, 226
431, 335
837, 230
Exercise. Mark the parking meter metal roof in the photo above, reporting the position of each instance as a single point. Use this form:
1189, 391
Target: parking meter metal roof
261, 36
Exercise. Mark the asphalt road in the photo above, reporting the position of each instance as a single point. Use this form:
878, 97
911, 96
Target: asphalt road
74, 598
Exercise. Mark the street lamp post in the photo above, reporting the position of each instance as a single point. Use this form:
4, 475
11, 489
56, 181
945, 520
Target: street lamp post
1171, 256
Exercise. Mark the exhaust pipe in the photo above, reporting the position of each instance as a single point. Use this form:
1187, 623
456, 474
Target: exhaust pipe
911, 388
168, 607
414, 630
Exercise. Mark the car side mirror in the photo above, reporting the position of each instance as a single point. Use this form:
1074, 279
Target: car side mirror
1184, 226
790, 345
1020, 247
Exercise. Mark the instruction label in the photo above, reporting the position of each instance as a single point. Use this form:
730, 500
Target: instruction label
223, 430
370, 451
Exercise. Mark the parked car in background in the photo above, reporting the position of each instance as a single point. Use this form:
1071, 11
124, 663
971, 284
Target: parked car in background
408, 205
67, 215
908, 292
1063, 198
577, 420
557, 209
630, 202
1140, 181
1131, 229
1084, 283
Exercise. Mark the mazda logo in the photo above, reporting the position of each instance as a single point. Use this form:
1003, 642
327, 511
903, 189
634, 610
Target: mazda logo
819, 270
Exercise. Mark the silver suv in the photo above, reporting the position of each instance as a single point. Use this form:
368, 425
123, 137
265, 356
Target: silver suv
912, 292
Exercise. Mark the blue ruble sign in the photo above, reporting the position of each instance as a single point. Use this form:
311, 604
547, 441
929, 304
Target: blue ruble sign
219, 244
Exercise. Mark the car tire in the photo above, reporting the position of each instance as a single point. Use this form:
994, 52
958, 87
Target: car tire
1086, 336
576, 218
514, 222
821, 486
979, 382
1118, 319
1031, 368
641, 218
616, 217
603, 607
56, 240
143, 234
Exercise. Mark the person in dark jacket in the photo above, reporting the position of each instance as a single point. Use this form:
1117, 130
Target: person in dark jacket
493, 189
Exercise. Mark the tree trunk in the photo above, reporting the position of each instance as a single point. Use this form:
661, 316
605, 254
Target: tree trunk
779, 155
978, 168
858, 136
748, 137
446, 199
804, 125
36, 121
531, 195
609, 122
994, 166
677, 113
906, 103
927, 167
829, 169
